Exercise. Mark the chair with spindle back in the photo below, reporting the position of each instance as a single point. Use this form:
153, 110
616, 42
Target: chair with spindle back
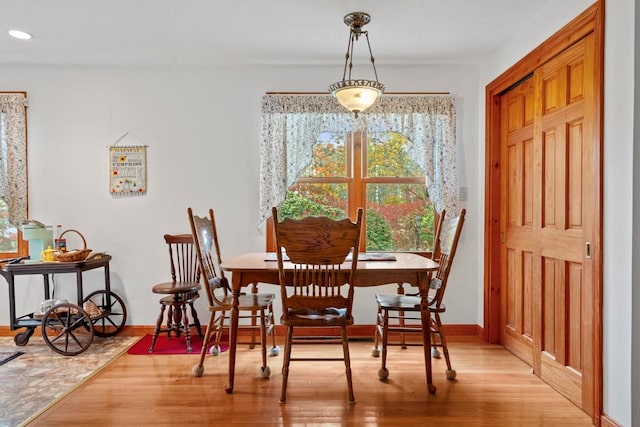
319, 293
256, 308
402, 313
180, 293
435, 256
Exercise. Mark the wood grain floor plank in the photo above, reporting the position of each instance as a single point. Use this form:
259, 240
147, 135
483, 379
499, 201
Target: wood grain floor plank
493, 388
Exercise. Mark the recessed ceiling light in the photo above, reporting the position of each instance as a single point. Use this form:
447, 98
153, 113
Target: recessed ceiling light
22, 35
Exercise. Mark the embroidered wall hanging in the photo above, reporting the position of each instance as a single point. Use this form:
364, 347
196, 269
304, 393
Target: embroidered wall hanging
128, 171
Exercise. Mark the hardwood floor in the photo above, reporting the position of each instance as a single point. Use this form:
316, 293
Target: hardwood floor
493, 388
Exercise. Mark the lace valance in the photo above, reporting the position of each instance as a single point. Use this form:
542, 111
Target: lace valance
291, 125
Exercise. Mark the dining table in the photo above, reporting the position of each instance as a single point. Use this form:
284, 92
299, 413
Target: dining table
373, 269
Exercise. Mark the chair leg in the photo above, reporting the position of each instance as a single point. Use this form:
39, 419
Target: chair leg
219, 331
252, 343
383, 372
403, 343
196, 320
285, 363
451, 373
198, 370
185, 324
275, 350
377, 335
347, 363
170, 321
156, 331
265, 372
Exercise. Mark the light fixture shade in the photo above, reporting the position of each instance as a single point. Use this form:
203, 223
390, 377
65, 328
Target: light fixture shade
356, 95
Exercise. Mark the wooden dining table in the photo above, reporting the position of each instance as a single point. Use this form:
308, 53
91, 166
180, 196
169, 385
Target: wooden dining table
399, 267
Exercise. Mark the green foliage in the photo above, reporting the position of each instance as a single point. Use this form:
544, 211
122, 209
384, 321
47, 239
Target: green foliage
298, 205
379, 235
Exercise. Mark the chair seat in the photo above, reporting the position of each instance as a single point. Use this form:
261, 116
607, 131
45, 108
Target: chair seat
173, 288
246, 302
405, 303
399, 302
179, 299
323, 317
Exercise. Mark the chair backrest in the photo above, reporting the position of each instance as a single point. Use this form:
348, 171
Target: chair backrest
435, 254
182, 254
449, 236
205, 239
318, 248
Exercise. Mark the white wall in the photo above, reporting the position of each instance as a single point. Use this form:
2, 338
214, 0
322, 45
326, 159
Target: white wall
618, 173
203, 136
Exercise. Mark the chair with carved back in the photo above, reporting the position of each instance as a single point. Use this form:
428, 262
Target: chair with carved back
181, 292
317, 290
401, 314
435, 256
256, 309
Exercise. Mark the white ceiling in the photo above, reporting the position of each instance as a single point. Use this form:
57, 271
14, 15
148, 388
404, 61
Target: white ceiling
210, 32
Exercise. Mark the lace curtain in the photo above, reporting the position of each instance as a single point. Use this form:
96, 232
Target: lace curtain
291, 125
13, 155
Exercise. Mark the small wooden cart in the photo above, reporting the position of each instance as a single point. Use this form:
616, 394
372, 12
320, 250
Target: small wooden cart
67, 328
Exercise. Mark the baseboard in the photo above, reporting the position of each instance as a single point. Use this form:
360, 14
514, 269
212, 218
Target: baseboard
605, 421
355, 331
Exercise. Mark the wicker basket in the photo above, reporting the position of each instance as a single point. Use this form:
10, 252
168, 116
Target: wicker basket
76, 254
92, 309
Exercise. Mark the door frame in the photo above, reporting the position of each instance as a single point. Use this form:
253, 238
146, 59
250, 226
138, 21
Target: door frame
590, 21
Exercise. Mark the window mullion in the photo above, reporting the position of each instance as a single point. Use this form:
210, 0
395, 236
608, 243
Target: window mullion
357, 196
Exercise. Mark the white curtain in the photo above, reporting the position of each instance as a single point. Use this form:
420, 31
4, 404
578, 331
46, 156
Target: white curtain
291, 125
13, 155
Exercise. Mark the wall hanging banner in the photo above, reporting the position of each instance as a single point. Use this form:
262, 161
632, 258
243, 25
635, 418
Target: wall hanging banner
128, 171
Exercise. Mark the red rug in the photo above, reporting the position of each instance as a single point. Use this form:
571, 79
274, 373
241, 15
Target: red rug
171, 345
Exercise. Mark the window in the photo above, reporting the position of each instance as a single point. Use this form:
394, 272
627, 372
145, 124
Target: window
373, 171
317, 159
13, 173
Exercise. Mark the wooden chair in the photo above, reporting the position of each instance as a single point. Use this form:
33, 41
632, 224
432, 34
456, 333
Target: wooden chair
401, 314
435, 256
256, 309
181, 292
319, 293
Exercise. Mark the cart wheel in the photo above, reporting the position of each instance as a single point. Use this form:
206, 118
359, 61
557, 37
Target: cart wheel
22, 338
67, 329
115, 314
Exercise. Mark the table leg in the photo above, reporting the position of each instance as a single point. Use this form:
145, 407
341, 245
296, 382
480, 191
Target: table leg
425, 317
426, 343
233, 333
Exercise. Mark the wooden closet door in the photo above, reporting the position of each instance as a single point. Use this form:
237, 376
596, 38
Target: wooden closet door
565, 155
518, 241
547, 221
